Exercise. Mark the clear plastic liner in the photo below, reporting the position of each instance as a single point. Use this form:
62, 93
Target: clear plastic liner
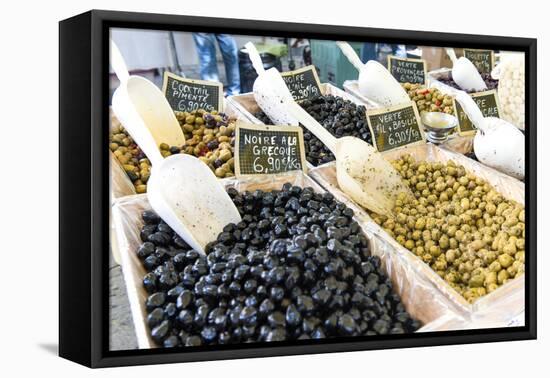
496, 308
419, 295
120, 182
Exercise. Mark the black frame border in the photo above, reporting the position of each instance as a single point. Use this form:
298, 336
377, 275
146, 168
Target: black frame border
85, 200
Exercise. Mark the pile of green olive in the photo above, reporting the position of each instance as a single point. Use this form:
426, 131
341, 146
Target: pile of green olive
429, 99
459, 225
130, 157
210, 136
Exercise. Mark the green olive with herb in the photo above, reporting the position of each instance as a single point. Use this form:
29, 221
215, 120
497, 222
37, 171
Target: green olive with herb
459, 225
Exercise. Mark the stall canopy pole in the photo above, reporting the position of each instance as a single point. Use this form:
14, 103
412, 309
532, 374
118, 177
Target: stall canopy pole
174, 51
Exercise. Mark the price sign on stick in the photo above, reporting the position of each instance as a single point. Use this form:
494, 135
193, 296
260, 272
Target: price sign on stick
261, 149
395, 127
488, 104
407, 70
303, 83
484, 60
186, 95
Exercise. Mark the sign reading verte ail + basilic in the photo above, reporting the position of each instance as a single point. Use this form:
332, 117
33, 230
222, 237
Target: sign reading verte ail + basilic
484, 60
303, 83
407, 70
488, 104
186, 95
261, 149
395, 127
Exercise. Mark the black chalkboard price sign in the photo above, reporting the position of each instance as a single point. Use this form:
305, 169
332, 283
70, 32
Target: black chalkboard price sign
484, 60
262, 149
407, 70
488, 104
186, 95
395, 127
303, 83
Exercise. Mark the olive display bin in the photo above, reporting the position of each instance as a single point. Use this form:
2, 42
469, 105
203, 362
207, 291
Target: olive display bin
417, 293
121, 185
435, 76
99, 212
496, 309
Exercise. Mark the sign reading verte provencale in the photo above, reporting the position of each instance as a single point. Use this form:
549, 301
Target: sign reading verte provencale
303, 83
488, 104
264, 149
407, 70
186, 95
395, 127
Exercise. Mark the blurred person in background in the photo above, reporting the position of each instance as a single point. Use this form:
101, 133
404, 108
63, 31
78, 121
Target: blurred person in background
380, 52
206, 49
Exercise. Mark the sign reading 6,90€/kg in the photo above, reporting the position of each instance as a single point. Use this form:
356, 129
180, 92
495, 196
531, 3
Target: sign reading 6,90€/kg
406, 70
395, 127
261, 149
303, 83
186, 95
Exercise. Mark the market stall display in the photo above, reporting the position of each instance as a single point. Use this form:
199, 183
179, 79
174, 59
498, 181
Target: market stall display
415, 239
506, 193
149, 271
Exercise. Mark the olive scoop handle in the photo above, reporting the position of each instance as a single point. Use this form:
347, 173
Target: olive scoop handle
117, 62
255, 58
350, 53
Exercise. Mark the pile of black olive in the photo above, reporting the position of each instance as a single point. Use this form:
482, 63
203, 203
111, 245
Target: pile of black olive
339, 116
296, 267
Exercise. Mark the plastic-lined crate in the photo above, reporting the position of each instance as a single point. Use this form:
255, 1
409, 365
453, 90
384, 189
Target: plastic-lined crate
421, 300
503, 307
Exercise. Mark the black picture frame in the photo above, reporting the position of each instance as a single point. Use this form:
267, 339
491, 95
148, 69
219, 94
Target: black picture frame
84, 187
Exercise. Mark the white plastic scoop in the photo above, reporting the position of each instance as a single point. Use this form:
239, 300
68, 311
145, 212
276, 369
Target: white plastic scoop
465, 74
150, 103
498, 143
375, 81
183, 190
362, 172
